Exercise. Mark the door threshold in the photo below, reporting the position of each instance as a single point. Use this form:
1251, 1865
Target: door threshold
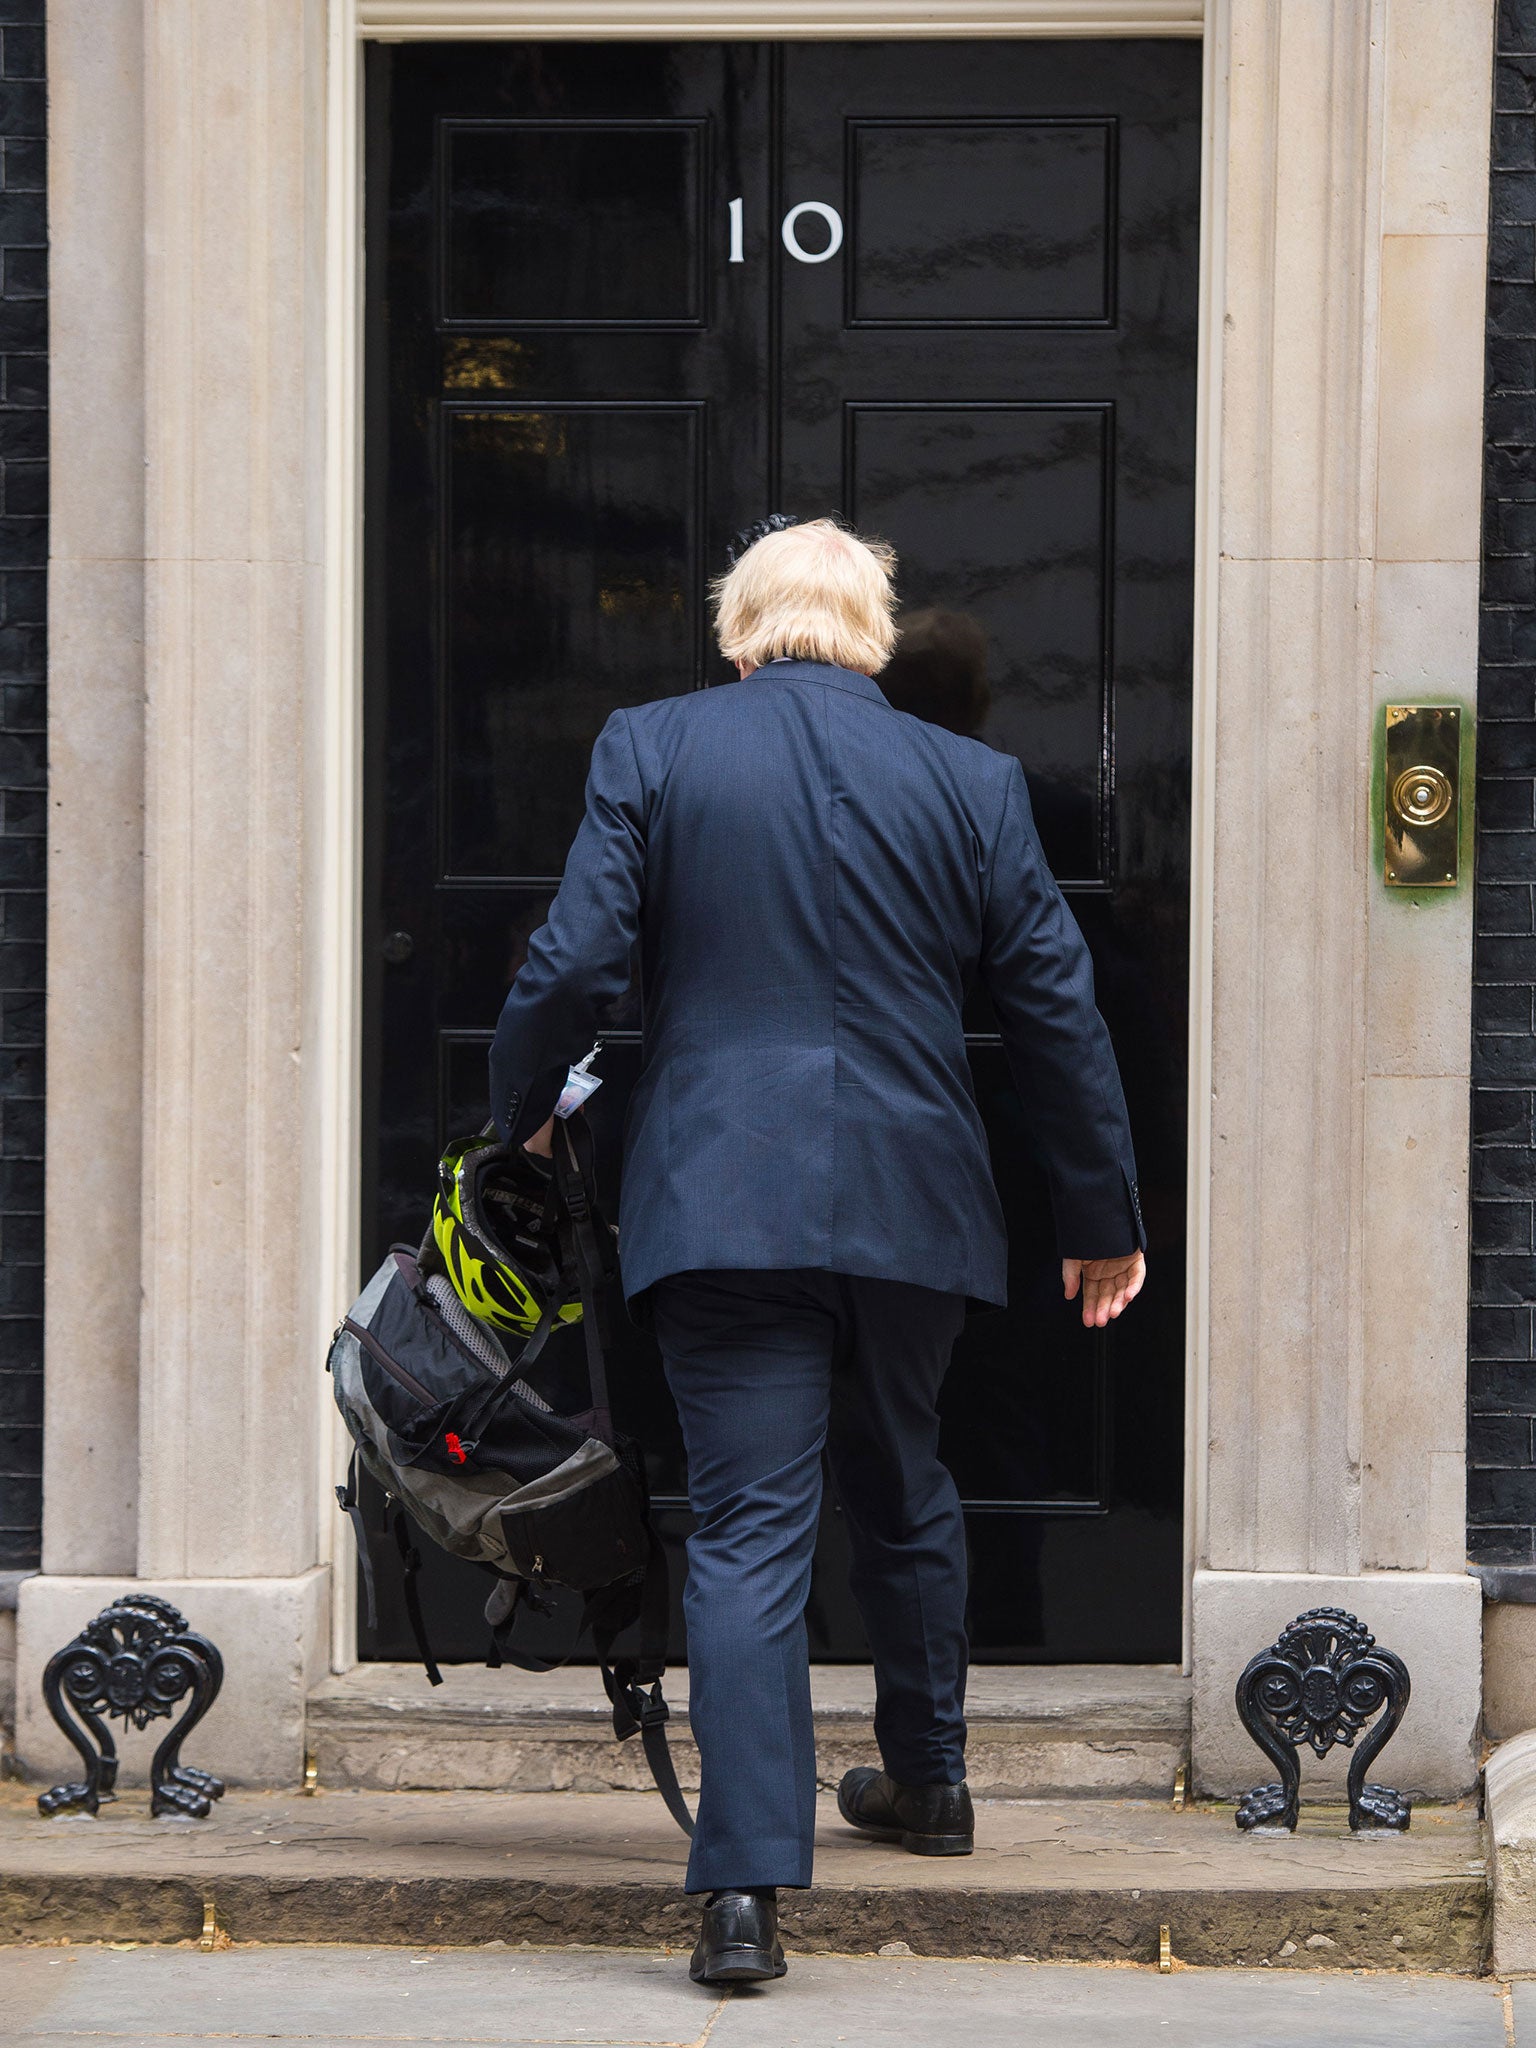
1036, 1730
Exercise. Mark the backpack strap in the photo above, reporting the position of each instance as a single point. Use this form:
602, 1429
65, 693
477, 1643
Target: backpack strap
347, 1501
636, 1711
474, 1422
573, 1159
410, 1561
649, 1713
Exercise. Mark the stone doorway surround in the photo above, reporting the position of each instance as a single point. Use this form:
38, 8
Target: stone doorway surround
205, 796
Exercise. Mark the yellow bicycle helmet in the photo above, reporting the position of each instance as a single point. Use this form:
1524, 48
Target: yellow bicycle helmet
495, 1225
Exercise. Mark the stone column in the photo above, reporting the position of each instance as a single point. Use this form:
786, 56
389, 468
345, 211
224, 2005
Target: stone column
96, 785
227, 1460
231, 406
1351, 340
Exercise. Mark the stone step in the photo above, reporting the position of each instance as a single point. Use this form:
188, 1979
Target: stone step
1035, 1731
1055, 1880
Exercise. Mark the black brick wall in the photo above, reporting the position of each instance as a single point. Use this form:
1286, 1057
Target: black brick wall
1501, 1477
23, 767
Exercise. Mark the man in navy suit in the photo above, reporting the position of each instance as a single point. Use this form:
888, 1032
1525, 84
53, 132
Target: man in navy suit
815, 880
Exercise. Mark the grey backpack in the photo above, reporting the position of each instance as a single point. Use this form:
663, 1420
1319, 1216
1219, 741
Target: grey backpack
468, 1450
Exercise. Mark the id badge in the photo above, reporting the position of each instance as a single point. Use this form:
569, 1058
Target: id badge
580, 1084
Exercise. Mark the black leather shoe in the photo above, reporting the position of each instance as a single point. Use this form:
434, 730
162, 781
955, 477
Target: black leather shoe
739, 1941
930, 1820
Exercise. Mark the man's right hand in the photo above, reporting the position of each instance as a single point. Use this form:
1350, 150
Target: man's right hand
1108, 1285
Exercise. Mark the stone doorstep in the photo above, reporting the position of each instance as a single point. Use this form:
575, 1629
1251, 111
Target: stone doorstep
1035, 1731
1510, 1798
1056, 1880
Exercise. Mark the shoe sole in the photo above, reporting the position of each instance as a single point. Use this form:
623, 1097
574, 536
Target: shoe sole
914, 1844
740, 1966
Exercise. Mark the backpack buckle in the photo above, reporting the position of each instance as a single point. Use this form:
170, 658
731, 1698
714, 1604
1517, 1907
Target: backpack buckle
635, 1709
654, 1711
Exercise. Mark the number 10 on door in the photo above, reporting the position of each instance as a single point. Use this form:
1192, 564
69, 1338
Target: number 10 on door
789, 231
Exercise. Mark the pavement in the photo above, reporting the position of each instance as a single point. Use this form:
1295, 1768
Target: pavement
1053, 1880
528, 1998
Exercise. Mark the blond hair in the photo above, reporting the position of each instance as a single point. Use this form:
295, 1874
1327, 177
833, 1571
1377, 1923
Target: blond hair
816, 592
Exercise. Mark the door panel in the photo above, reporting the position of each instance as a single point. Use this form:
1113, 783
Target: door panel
970, 493
958, 222
954, 301
554, 223
573, 553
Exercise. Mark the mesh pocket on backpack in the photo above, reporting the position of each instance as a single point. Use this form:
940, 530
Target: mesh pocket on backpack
477, 1339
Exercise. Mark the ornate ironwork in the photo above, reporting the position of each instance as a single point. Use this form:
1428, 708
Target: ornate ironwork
134, 1663
1318, 1685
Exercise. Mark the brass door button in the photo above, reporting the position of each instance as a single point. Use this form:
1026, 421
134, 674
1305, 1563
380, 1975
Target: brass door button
1423, 795
1421, 829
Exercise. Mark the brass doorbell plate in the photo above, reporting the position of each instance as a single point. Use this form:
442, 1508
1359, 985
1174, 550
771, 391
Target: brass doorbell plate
1421, 836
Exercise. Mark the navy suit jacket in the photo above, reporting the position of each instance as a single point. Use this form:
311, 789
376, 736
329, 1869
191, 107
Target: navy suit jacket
815, 880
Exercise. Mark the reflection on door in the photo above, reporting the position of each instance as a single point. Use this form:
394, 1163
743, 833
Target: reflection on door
621, 301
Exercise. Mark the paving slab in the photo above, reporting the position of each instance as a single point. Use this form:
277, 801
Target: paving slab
1035, 1731
534, 1999
340, 1993
1072, 1880
1523, 2011
862, 2004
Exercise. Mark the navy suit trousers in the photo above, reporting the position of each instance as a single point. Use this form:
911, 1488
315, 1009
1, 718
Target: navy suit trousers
767, 1369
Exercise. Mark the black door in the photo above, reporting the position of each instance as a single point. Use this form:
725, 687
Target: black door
622, 299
